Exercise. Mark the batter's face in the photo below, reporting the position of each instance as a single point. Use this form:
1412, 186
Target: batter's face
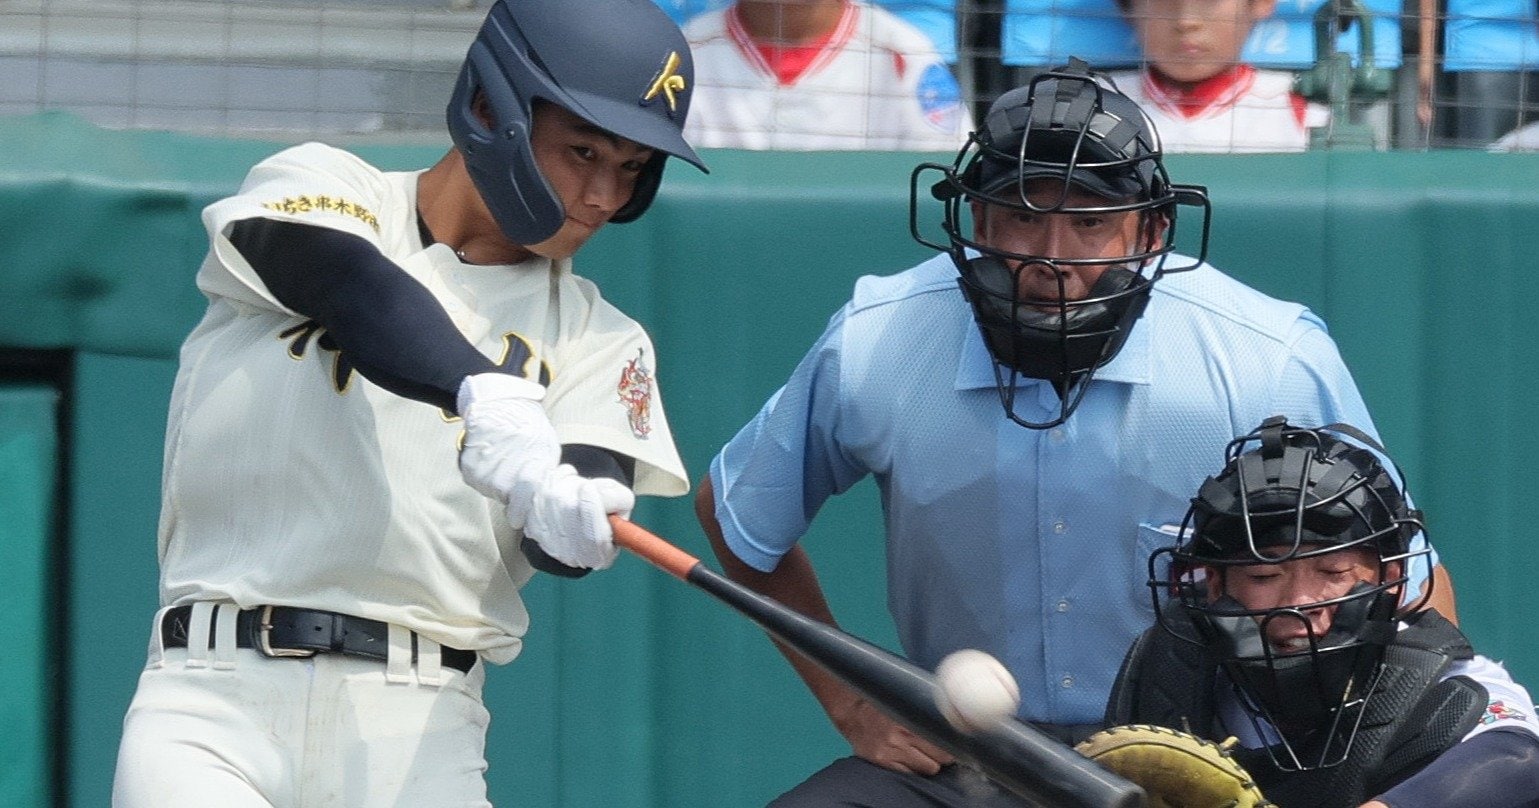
592, 171
1059, 236
1189, 41
1299, 582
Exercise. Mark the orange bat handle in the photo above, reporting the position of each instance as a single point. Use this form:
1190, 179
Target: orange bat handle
654, 549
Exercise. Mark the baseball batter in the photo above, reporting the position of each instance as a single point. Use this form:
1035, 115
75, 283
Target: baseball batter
820, 75
399, 403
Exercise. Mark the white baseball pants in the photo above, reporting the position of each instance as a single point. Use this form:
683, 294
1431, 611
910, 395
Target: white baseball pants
227, 726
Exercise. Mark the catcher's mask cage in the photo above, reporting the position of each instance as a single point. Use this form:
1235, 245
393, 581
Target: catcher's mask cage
622, 66
1288, 493
1072, 126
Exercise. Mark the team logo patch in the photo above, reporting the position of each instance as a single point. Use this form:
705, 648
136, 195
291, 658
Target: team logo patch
635, 389
940, 98
1501, 711
667, 83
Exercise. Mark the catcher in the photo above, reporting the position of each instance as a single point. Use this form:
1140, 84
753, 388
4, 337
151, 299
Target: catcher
1281, 625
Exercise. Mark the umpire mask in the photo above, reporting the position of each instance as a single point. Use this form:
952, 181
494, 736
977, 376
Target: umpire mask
1071, 133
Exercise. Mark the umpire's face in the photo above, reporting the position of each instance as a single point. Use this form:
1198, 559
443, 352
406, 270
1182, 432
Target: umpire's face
1039, 241
592, 171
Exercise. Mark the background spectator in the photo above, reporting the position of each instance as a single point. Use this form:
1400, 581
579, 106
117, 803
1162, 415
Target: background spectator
1201, 95
820, 75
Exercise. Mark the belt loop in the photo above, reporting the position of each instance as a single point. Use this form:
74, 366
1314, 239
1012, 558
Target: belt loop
224, 636
197, 634
429, 662
398, 655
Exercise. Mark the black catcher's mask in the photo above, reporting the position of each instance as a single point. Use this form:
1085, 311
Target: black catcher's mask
1290, 494
1072, 127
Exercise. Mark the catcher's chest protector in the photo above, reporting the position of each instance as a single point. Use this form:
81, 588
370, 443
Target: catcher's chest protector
1411, 718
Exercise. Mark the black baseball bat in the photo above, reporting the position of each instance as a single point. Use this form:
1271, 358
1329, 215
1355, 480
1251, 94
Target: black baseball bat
1019, 757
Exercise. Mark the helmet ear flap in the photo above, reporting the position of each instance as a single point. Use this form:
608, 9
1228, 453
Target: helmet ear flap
499, 155
529, 211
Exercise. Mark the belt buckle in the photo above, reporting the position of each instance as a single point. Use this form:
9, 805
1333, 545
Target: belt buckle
264, 642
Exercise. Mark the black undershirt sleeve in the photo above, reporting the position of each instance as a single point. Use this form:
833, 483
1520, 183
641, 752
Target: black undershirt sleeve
1495, 769
592, 461
387, 325
390, 327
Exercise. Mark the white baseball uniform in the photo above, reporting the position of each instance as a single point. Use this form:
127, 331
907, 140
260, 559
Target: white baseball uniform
1243, 110
876, 84
289, 479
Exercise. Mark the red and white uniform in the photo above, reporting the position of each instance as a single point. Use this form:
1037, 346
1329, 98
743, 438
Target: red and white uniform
875, 83
1242, 110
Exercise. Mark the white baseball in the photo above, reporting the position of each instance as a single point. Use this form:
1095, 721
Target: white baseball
974, 691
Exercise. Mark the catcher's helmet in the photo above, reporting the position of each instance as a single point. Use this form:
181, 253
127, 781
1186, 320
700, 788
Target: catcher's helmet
1286, 494
622, 65
1073, 126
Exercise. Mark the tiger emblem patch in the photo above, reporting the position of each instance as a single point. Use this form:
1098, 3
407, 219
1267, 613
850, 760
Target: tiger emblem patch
635, 391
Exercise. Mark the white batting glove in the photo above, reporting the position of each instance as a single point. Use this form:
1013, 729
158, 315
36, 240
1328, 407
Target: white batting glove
570, 517
510, 446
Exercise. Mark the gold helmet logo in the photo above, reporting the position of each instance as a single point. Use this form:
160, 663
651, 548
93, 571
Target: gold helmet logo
667, 83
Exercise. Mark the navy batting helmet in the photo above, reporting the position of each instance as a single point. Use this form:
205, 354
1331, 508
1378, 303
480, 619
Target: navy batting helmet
621, 65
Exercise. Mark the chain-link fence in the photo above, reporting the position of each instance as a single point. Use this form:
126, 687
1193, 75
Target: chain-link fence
1428, 73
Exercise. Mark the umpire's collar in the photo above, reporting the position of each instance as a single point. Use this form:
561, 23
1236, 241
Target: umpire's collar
975, 369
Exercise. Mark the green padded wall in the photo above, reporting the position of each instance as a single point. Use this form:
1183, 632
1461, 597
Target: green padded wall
635, 690
28, 470
117, 435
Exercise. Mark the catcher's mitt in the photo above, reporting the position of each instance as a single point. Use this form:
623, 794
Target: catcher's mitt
1176, 769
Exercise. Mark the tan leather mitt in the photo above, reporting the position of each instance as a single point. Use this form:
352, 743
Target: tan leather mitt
1176, 769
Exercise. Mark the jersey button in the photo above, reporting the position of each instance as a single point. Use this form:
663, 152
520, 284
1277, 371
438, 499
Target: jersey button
1067, 682
1063, 604
1060, 527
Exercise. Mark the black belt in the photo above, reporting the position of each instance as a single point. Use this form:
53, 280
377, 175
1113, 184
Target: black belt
283, 631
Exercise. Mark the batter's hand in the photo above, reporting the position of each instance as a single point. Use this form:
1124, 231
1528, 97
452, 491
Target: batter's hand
888, 744
510, 448
569, 517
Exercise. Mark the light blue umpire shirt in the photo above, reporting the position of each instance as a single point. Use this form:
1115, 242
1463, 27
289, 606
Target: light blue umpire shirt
1032, 545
